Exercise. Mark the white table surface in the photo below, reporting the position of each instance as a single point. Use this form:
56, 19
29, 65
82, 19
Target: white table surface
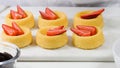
65, 65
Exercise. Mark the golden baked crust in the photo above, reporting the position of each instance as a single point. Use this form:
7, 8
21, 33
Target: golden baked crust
98, 21
90, 42
50, 42
21, 40
27, 22
61, 21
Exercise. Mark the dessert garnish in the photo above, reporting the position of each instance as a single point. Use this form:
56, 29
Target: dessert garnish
56, 31
19, 14
48, 14
83, 30
13, 30
92, 15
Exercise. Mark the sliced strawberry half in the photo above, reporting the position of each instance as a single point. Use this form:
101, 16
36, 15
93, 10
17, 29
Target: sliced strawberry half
55, 32
81, 32
15, 15
92, 15
92, 29
21, 11
9, 30
44, 15
52, 15
57, 28
15, 26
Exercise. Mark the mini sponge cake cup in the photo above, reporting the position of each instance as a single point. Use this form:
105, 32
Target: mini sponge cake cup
27, 22
88, 42
50, 42
98, 21
61, 21
21, 40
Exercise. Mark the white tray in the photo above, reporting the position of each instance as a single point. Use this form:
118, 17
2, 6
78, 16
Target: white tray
68, 52
65, 64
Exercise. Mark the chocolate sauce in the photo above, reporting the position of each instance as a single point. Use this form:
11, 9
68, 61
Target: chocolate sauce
4, 57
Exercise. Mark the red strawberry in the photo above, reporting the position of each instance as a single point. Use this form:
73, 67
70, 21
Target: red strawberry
9, 30
52, 15
92, 29
15, 26
15, 15
21, 11
57, 28
81, 32
92, 15
55, 32
44, 15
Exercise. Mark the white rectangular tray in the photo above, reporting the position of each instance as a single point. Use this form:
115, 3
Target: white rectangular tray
65, 64
70, 53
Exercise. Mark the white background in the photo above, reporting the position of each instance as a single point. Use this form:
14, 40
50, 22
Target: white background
60, 2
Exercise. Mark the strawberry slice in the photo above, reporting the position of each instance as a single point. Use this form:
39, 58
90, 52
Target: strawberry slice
57, 28
55, 32
21, 11
15, 26
15, 15
92, 29
92, 15
9, 30
81, 32
52, 15
44, 15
